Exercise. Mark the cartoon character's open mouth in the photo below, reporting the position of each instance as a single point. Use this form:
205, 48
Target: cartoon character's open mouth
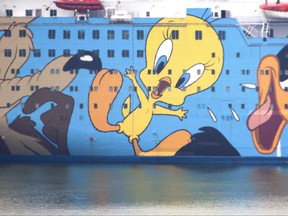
164, 83
266, 122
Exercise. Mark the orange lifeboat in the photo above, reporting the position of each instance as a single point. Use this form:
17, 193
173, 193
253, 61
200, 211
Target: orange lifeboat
275, 11
80, 5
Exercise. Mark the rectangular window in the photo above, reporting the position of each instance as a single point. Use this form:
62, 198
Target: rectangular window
125, 34
140, 35
110, 34
7, 33
96, 52
7, 52
66, 52
238, 55
9, 12
22, 53
22, 33
222, 35
51, 34
81, 34
175, 34
28, 12
140, 53
51, 53
125, 53
53, 13
37, 53
198, 35
66, 34
111, 53
96, 34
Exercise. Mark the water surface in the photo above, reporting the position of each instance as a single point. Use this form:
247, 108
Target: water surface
127, 189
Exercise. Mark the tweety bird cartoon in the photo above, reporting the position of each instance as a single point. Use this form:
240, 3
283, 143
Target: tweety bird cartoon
183, 57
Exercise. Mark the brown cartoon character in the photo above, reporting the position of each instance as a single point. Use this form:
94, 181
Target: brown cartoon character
20, 137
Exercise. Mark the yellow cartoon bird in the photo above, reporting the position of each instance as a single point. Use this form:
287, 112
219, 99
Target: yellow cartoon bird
183, 57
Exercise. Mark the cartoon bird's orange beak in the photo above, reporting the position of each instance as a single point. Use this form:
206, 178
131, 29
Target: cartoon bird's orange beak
267, 122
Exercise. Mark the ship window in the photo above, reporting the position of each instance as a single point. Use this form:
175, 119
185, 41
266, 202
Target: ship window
242, 106
243, 72
53, 13
125, 53
22, 33
227, 88
149, 71
169, 71
175, 34
198, 35
213, 54
96, 52
96, 34
28, 12
222, 35
9, 13
110, 34
51, 53
81, 34
15, 71
37, 53
81, 106
95, 105
267, 72
198, 88
149, 88
7, 33
286, 106
213, 88
22, 53
213, 72
140, 35
147, 13
38, 12
125, 34
140, 53
7, 52
66, 34
66, 52
111, 53
238, 54
243, 89
51, 34
227, 72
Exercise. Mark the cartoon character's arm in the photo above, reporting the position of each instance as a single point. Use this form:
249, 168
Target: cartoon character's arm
130, 73
159, 110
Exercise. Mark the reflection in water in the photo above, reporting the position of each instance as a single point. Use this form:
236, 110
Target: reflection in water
99, 189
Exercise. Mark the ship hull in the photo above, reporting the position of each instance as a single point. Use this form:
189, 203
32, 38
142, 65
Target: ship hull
159, 88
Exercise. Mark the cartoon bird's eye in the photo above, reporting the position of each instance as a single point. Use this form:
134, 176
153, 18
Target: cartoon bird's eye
163, 55
190, 76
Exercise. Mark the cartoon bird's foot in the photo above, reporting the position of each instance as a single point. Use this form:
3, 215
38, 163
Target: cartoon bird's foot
104, 90
86, 60
169, 146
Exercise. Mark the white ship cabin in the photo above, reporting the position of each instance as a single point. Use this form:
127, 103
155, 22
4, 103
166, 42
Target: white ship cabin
252, 19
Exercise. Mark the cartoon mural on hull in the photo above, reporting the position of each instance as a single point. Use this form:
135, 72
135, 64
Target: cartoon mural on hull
179, 62
21, 137
267, 122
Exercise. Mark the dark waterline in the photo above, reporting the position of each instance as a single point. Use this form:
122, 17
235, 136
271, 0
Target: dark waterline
127, 189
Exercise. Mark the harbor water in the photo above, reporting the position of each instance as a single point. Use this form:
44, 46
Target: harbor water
138, 189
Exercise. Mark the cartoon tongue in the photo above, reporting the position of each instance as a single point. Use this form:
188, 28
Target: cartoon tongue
260, 115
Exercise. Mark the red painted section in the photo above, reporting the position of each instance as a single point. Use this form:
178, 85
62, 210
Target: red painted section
79, 4
281, 7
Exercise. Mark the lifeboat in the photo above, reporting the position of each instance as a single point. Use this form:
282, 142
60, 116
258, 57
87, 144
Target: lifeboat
80, 5
275, 11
